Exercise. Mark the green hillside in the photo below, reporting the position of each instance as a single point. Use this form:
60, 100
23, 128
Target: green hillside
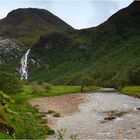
109, 52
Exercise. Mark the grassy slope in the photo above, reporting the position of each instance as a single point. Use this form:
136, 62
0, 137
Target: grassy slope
107, 64
131, 91
109, 53
4, 136
26, 122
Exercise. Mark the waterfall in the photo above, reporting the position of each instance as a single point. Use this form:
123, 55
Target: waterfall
23, 69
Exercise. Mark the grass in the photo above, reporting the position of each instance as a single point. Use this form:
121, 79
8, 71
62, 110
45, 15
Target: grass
28, 126
132, 91
22, 98
4, 136
59, 90
27, 122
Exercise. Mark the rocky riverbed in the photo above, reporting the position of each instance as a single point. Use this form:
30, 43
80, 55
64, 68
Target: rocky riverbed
102, 115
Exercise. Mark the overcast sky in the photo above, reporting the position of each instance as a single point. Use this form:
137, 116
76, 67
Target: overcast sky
77, 13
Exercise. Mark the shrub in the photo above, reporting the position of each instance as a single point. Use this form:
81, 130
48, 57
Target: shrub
50, 111
120, 80
6, 99
60, 134
86, 81
4, 104
40, 87
47, 87
56, 115
29, 128
37, 89
44, 121
9, 83
4, 136
40, 82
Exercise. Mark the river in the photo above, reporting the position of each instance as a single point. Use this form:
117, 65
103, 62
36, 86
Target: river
101, 115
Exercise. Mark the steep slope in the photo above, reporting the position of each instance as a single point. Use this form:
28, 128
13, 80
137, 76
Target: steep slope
10, 54
109, 52
27, 25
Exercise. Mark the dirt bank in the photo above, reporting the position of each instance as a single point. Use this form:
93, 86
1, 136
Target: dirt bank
64, 104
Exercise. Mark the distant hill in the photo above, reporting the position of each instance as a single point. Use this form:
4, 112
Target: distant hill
27, 25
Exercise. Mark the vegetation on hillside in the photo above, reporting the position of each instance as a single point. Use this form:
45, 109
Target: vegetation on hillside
108, 53
110, 66
9, 83
27, 25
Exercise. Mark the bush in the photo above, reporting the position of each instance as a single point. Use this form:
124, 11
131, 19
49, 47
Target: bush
40, 82
9, 83
5, 101
86, 81
37, 89
56, 115
120, 80
47, 87
50, 111
29, 128
40, 87
4, 136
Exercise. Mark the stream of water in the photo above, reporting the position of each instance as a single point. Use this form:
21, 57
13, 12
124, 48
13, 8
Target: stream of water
23, 69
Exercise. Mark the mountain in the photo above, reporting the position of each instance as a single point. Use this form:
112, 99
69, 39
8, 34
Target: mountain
109, 52
27, 25
20, 29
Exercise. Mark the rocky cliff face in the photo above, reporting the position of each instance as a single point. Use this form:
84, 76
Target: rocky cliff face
9, 50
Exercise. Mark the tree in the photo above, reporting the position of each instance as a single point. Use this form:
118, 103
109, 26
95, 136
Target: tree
120, 80
86, 81
9, 83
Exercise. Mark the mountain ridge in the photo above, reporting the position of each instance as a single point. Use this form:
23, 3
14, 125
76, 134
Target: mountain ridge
24, 23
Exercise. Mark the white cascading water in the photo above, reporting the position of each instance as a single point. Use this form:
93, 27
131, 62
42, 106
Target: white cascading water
23, 68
